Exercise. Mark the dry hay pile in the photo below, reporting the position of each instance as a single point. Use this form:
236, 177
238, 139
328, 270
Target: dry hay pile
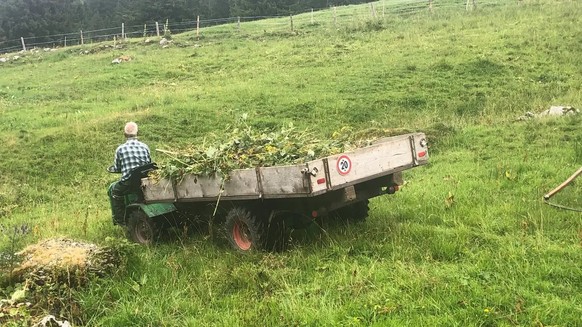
47, 271
61, 259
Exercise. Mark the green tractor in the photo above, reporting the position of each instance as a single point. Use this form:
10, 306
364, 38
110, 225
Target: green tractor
142, 220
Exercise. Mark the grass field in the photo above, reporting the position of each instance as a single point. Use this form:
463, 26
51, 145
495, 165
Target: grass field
466, 242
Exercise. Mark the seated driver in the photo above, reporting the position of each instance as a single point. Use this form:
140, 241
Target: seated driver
128, 156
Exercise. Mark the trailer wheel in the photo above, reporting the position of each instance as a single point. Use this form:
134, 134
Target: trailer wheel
243, 230
356, 212
359, 210
141, 228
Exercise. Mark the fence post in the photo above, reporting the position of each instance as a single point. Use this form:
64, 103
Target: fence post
65, 45
145, 30
198, 27
238, 23
82, 41
123, 30
23, 45
311, 16
291, 20
157, 29
334, 18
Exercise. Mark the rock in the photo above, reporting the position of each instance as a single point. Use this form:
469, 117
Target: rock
164, 41
553, 111
559, 111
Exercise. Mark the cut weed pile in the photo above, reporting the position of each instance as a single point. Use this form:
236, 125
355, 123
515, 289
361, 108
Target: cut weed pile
244, 146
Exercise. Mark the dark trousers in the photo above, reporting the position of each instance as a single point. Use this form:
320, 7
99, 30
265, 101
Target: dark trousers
117, 192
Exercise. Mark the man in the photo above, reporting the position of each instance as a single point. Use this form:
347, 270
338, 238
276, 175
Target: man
128, 156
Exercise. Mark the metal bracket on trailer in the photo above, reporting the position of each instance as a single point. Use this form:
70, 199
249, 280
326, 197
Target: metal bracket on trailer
413, 148
327, 176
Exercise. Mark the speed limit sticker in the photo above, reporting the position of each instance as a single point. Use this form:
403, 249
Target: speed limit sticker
344, 165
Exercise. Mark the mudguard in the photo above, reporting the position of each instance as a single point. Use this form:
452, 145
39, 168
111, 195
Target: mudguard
153, 209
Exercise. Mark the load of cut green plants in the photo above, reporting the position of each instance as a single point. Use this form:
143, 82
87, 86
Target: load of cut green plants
247, 147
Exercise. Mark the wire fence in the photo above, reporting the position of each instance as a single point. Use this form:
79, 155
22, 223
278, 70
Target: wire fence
334, 17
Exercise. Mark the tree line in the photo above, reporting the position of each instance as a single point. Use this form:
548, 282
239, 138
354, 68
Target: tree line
42, 18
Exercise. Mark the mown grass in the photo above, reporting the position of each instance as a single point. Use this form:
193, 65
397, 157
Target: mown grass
466, 242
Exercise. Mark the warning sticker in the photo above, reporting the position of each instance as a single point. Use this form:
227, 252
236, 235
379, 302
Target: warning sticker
344, 165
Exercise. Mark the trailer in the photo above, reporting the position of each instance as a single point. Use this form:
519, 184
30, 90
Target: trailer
258, 205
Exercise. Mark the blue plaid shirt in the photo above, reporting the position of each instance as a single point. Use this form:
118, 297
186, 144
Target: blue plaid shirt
130, 155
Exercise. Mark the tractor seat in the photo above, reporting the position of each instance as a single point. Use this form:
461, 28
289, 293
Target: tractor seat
140, 172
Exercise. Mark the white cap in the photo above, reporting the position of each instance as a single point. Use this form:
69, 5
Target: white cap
130, 129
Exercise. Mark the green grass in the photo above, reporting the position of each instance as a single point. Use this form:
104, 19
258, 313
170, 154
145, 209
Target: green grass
466, 242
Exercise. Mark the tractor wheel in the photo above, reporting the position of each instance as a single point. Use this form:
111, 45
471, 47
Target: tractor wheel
141, 228
243, 230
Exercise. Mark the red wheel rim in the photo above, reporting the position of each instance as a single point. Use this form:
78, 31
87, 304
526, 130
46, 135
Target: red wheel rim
240, 235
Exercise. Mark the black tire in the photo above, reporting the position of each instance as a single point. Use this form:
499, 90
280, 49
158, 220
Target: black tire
244, 230
356, 212
142, 229
277, 234
359, 211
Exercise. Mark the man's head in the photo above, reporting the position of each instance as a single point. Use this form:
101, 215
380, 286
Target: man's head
130, 129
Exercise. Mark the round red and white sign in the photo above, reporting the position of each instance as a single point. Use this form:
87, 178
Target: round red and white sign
344, 165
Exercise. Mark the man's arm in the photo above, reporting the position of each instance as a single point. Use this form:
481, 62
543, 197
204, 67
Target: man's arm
116, 167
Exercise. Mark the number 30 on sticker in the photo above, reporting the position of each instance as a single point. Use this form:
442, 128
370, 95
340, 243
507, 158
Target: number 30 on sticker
344, 165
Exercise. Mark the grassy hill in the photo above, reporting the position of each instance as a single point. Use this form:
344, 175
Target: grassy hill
466, 242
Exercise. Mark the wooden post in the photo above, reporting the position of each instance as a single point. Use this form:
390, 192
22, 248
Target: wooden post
157, 29
123, 30
23, 45
145, 30
114, 40
198, 27
291, 20
65, 45
238, 23
311, 16
82, 41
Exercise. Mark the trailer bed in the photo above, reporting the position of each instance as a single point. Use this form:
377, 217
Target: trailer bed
384, 157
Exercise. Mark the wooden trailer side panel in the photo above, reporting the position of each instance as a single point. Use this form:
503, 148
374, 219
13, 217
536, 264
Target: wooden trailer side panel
283, 181
242, 182
161, 190
374, 160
